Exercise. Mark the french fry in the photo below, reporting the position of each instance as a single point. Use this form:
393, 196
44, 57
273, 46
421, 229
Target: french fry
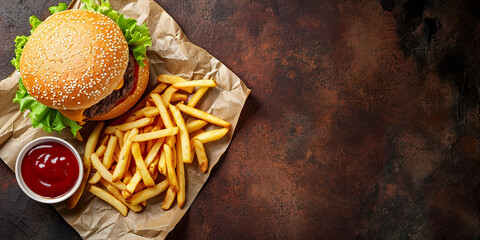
106, 174
101, 150
178, 148
177, 97
180, 177
153, 166
117, 152
169, 197
155, 135
162, 167
129, 160
159, 88
192, 147
170, 114
197, 96
192, 151
130, 119
148, 128
109, 152
95, 178
104, 140
167, 95
138, 186
91, 144
162, 110
194, 134
195, 125
73, 200
184, 138
201, 155
154, 151
125, 136
203, 115
134, 182
142, 122
128, 176
126, 195
150, 143
109, 198
87, 164
118, 195
119, 134
174, 157
107, 159
211, 135
141, 112
170, 79
148, 193
171, 175
124, 157
141, 167
170, 140
195, 83
151, 113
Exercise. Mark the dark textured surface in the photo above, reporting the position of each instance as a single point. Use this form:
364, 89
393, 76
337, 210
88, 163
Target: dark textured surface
363, 121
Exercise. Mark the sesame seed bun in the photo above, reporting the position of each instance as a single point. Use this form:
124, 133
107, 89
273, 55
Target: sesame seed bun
74, 59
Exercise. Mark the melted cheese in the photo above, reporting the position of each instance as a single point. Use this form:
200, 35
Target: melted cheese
75, 115
120, 84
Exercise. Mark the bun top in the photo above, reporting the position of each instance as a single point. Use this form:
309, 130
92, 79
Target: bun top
74, 59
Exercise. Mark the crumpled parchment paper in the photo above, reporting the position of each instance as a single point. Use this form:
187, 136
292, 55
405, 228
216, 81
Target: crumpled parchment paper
171, 53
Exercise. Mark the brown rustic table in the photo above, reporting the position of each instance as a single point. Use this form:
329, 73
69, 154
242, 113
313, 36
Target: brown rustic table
363, 121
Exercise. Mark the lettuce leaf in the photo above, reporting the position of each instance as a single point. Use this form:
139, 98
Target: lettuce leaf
59, 8
49, 119
34, 22
137, 36
20, 42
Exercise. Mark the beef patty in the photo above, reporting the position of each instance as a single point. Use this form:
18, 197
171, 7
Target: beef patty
109, 102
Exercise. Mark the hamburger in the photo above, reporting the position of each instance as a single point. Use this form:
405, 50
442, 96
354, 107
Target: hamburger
82, 65
78, 62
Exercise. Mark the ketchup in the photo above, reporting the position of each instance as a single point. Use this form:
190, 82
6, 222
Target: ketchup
50, 169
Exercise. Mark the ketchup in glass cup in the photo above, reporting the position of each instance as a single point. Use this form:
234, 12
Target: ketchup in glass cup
50, 168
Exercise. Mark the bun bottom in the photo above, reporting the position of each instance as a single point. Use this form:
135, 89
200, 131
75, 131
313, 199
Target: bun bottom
130, 101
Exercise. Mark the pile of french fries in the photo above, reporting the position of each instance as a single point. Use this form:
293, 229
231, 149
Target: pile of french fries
143, 153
